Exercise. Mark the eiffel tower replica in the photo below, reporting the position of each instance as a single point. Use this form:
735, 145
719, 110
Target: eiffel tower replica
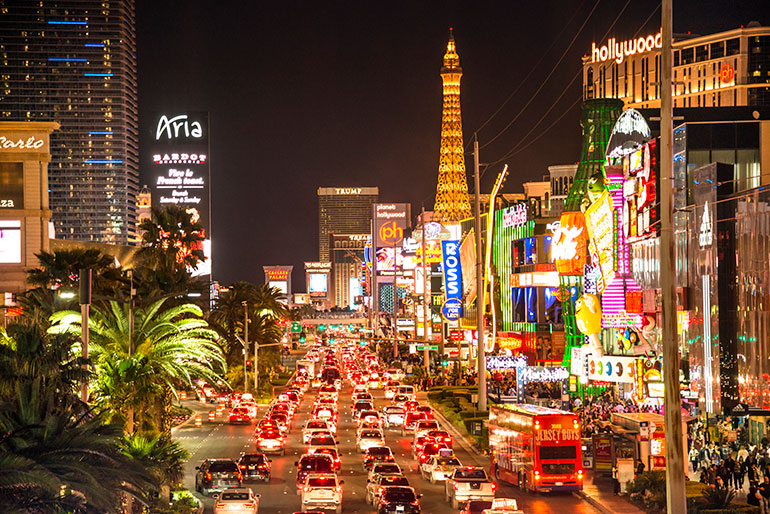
452, 203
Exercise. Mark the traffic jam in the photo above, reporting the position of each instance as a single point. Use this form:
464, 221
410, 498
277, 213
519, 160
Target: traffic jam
345, 385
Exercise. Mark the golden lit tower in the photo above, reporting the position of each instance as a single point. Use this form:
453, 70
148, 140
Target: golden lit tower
452, 204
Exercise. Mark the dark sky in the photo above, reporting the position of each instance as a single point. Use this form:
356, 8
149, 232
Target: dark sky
303, 94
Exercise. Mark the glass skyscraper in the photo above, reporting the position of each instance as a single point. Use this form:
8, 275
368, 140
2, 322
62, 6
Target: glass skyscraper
343, 210
74, 61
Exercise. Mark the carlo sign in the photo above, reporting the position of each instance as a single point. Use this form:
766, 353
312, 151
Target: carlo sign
453, 277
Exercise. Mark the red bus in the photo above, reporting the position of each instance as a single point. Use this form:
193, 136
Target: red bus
536, 448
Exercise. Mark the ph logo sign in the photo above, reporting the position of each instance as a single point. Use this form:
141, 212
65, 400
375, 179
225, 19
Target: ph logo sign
391, 233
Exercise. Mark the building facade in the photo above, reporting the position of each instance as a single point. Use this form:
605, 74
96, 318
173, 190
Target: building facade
74, 62
561, 176
343, 210
726, 69
347, 256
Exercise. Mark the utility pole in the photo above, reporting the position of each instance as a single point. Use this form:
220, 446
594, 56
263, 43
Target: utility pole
130, 411
675, 487
246, 345
85, 306
425, 305
481, 359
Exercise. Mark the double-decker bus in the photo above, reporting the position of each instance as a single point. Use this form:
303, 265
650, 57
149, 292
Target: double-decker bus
536, 448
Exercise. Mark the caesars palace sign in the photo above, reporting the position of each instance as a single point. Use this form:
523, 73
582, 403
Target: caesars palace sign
618, 51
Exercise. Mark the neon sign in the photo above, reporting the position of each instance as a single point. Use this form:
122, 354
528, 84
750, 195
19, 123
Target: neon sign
171, 127
32, 143
347, 190
726, 73
568, 245
179, 158
600, 220
515, 216
452, 271
619, 51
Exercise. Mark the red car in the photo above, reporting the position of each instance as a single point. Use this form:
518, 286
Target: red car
240, 415
426, 409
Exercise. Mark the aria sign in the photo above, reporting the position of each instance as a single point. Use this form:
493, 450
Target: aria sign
178, 127
619, 51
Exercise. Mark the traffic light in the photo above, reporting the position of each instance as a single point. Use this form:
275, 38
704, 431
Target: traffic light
302, 336
321, 328
248, 365
445, 363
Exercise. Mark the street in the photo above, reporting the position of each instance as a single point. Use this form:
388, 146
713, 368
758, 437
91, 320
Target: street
222, 440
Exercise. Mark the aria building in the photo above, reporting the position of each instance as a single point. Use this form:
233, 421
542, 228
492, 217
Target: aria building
343, 210
726, 69
74, 62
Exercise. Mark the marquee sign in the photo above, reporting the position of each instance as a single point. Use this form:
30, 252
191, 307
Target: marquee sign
568, 244
601, 224
515, 216
612, 369
619, 51
453, 278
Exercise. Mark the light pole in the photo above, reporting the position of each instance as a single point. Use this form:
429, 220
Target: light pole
481, 360
85, 305
246, 345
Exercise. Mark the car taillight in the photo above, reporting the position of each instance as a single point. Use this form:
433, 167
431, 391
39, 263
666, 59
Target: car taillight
308, 489
379, 490
220, 506
457, 487
242, 466
494, 487
238, 476
208, 475
416, 502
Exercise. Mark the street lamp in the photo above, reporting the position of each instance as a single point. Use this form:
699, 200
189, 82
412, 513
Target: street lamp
246, 344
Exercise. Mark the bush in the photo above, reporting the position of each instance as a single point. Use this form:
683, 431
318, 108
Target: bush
183, 502
649, 488
718, 498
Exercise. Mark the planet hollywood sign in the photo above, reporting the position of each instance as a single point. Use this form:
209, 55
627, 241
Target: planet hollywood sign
618, 51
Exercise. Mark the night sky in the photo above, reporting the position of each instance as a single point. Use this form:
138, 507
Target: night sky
303, 94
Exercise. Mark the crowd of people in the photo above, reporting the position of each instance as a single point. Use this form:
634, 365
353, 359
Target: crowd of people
596, 410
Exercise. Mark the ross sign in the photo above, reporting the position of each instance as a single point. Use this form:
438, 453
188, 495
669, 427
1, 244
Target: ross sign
619, 51
453, 279
706, 236
468, 266
390, 220
180, 167
452, 309
515, 216
601, 223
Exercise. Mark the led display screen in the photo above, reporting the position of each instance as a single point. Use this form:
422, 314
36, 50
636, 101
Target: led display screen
10, 242
317, 284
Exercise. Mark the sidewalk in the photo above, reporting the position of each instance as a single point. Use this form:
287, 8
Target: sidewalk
602, 498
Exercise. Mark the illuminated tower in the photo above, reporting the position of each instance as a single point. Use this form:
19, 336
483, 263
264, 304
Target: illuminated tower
452, 204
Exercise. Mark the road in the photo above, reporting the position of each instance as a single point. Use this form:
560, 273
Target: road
221, 440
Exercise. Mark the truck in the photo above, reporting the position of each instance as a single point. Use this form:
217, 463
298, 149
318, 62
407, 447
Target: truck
468, 483
311, 367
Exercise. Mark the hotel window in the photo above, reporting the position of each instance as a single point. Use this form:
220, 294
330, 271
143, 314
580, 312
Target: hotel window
633, 80
625, 78
657, 75
718, 50
701, 53
677, 58
688, 55
733, 46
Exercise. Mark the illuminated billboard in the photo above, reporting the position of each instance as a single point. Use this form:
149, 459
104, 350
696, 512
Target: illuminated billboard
10, 241
390, 220
317, 284
601, 222
180, 169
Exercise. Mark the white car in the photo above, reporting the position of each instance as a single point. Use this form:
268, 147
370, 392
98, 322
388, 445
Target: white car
309, 434
408, 391
395, 374
424, 426
312, 426
237, 499
437, 469
390, 389
251, 405
369, 438
385, 468
394, 416
322, 491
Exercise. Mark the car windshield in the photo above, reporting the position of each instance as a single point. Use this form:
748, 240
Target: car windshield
398, 494
363, 404
223, 467
448, 462
371, 433
471, 473
391, 481
253, 459
278, 418
322, 482
241, 410
478, 506
394, 410
387, 468
235, 496
321, 439
379, 450
316, 424
321, 463
427, 424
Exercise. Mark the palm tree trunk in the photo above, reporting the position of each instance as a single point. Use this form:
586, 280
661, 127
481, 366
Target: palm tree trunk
130, 421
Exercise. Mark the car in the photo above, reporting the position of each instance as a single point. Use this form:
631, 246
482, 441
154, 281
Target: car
325, 413
254, 466
322, 491
369, 438
503, 506
391, 386
238, 499
411, 406
377, 454
399, 400
326, 450
424, 426
313, 426
375, 424
408, 391
367, 416
240, 415
410, 421
395, 374
249, 404
428, 450
325, 440
439, 436
376, 381
363, 396
360, 389
375, 486
312, 463
283, 408
468, 483
393, 416
216, 475
328, 390
282, 421
438, 468
384, 468
426, 409
361, 405
476, 506
271, 440
399, 500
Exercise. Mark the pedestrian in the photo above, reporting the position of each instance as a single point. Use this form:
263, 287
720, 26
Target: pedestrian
764, 492
739, 473
753, 497
729, 471
694, 459
639, 468
615, 481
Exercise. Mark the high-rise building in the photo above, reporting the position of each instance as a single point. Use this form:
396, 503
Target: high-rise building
452, 202
343, 210
726, 69
74, 62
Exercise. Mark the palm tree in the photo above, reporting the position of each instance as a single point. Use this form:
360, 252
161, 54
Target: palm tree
267, 301
173, 239
163, 457
169, 348
56, 455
